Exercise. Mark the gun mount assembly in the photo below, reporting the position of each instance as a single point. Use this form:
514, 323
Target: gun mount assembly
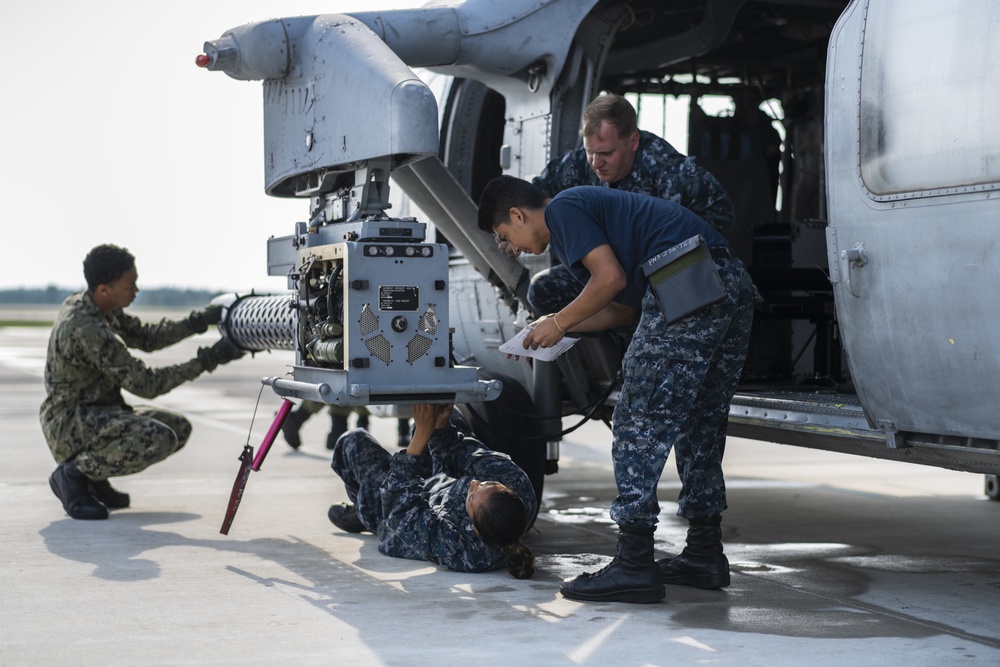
368, 313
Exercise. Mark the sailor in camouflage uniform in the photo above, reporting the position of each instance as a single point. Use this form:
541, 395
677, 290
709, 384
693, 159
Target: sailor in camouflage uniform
446, 498
616, 154
678, 379
91, 431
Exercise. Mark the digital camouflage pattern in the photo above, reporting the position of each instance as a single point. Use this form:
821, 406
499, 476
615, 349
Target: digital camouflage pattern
659, 170
552, 289
87, 365
416, 505
679, 381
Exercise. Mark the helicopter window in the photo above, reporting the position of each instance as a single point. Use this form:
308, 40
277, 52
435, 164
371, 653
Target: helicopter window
670, 117
663, 115
930, 89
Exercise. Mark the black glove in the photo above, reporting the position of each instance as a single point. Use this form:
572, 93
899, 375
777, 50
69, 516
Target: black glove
200, 319
221, 353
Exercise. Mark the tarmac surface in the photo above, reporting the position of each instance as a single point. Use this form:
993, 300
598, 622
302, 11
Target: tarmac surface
837, 560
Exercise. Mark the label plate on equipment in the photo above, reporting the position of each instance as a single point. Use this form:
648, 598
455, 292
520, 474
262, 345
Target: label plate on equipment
398, 297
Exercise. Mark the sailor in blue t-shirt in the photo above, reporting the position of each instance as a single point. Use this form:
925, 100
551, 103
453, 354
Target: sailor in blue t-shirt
585, 217
678, 379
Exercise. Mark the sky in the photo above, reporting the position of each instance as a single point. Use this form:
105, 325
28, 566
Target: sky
110, 134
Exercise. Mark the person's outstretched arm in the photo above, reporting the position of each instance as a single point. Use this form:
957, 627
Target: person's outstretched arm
426, 419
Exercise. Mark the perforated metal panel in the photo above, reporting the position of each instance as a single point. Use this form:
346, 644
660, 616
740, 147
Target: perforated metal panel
428, 322
380, 348
417, 347
368, 321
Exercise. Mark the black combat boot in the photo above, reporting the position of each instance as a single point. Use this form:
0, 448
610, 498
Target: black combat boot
108, 495
345, 517
292, 425
631, 576
702, 563
72, 488
338, 429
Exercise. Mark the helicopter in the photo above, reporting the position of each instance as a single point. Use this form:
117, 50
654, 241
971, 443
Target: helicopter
856, 141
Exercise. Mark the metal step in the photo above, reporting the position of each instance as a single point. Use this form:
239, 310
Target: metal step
789, 417
836, 422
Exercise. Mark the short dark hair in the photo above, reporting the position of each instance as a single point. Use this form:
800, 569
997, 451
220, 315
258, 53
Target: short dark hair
612, 108
105, 264
504, 193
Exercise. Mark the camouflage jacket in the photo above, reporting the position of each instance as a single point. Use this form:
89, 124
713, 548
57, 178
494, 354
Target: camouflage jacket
659, 170
426, 519
88, 364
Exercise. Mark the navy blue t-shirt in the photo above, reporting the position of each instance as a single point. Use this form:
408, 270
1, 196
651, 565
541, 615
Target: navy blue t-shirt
636, 227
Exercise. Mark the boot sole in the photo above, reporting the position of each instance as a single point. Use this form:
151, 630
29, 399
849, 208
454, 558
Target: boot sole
637, 595
703, 582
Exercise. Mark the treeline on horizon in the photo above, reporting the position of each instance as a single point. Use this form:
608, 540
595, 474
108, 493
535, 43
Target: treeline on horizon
152, 297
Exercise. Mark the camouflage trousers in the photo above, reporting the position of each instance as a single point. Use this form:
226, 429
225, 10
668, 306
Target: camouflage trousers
552, 289
116, 442
362, 463
678, 382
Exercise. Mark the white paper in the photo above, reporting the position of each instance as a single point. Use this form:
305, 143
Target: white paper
516, 347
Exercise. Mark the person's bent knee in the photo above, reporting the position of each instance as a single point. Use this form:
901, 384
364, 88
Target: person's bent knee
552, 289
542, 294
346, 446
162, 445
182, 430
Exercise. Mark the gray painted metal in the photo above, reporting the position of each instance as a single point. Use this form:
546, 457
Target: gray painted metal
836, 422
313, 128
382, 335
313, 132
395, 339
709, 33
914, 277
394, 346
821, 416
431, 185
913, 273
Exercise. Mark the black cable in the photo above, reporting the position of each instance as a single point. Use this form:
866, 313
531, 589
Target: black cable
331, 293
590, 410
254, 416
